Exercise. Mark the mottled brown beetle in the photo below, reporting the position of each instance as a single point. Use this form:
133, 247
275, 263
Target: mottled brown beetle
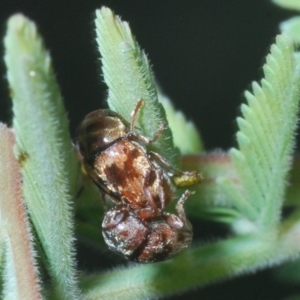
147, 240
116, 159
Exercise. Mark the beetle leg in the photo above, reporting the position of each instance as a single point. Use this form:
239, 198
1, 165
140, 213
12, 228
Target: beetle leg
161, 191
143, 139
153, 210
138, 137
180, 178
134, 113
179, 205
162, 127
103, 200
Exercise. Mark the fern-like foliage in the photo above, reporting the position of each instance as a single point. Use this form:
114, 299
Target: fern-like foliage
266, 136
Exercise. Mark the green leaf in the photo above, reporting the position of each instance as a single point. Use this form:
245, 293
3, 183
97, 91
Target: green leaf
217, 166
293, 190
220, 189
291, 28
196, 267
267, 134
89, 211
209, 193
289, 4
185, 134
49, 165
20, 272
129, 77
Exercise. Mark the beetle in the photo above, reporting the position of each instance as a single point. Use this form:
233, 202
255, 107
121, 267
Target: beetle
147, 240
118, 162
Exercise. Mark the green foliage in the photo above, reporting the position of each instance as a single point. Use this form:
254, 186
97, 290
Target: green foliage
185, 135
291, 28
245, 188
290, 4
266, 136
18, 262
44, 149
129, 77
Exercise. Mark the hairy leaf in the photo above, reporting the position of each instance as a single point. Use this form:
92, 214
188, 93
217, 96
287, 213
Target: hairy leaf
185, 134
197, 267
267, 133
20, 272
129, 77
44, 148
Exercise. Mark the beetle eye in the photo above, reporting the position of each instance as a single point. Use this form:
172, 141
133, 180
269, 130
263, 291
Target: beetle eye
112, 220
119, 217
